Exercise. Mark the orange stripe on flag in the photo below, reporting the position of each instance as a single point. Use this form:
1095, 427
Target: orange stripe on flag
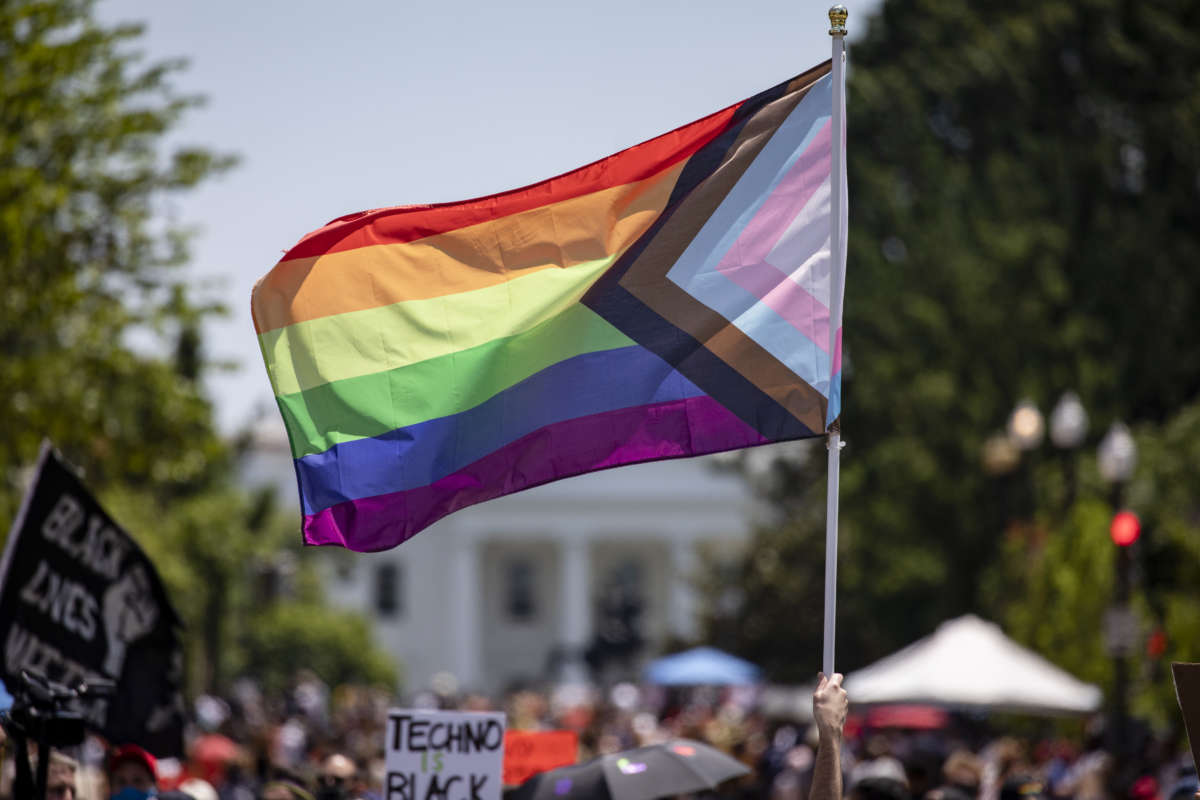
574, 231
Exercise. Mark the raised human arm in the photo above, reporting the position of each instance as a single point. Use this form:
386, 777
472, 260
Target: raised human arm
829, 713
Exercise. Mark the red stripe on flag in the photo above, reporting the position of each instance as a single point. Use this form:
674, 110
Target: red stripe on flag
401, 224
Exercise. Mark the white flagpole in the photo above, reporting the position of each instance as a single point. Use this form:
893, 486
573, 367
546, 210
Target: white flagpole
837, 178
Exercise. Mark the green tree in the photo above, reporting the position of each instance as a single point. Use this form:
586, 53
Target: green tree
336, 646
249, 605
102, 347
1056, 576
1024, 220
87, 263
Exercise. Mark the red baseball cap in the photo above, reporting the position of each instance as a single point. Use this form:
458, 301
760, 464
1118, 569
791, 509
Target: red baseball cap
131, 752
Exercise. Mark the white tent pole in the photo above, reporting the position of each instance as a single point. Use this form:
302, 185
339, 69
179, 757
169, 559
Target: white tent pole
837, 178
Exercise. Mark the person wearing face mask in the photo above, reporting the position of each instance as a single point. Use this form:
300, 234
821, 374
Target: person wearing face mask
132, 774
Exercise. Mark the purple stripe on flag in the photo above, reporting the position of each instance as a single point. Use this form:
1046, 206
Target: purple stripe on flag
687, 427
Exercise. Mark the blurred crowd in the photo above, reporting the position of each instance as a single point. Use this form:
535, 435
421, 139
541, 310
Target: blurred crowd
317, 743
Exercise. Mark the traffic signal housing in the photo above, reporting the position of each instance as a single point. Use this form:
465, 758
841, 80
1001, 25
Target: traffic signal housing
1125, 528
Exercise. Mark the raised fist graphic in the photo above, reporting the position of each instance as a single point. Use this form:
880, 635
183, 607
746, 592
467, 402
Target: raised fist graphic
130, 612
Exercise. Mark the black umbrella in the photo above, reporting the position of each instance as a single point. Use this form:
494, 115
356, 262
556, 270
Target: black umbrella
679, 766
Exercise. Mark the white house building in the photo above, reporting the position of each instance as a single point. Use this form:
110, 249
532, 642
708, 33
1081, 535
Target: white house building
511, 589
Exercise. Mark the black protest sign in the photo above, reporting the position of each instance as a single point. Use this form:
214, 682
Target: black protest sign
1187, 692
443, 755
79, 600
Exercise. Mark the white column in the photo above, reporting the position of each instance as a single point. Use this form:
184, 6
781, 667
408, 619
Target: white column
465, 594
575, 600
683, 595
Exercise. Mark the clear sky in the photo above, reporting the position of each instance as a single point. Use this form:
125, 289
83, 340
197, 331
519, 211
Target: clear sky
340, 107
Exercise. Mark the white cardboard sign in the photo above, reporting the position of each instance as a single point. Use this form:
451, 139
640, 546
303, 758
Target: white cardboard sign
443, 755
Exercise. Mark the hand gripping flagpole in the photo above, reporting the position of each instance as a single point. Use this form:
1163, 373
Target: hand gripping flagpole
837, 178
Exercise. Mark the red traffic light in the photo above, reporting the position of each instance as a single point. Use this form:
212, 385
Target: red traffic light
1125, 528
1156, 644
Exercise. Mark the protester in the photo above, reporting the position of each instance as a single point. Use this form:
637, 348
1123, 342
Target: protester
881, 778
829, 713
198, 789
947, 793
285, 790
342, 750
60, 777
132, 774
961, 771
1185, 787
338, 779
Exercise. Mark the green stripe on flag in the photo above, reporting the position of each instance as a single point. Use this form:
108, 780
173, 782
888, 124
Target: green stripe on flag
356, 343
370, 405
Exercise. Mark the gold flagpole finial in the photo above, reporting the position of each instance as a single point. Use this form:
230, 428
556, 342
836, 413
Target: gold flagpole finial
837, 20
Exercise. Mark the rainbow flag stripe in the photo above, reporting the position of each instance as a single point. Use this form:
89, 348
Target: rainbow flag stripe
670, 300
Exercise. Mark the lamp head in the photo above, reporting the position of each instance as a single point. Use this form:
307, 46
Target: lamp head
1118, 454
1026, 426
1068, 422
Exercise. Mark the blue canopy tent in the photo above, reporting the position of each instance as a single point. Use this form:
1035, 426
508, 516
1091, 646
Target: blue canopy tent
701, 666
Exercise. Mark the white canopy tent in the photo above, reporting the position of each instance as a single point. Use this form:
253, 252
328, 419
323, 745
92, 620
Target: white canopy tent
969, 663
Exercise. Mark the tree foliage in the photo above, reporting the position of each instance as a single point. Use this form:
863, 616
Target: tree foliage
336, 646
1024, 180
102, 348
87, 262
1055, 579
249, 605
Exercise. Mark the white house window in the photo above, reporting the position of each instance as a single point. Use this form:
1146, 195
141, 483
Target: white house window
389, 590
521, 590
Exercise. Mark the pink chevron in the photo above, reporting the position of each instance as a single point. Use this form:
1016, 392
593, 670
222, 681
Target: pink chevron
745, 263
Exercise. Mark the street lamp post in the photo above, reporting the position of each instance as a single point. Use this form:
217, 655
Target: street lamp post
1026, 427
1068, 429
1116, 459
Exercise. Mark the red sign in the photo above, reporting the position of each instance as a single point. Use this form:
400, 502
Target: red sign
526, 753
